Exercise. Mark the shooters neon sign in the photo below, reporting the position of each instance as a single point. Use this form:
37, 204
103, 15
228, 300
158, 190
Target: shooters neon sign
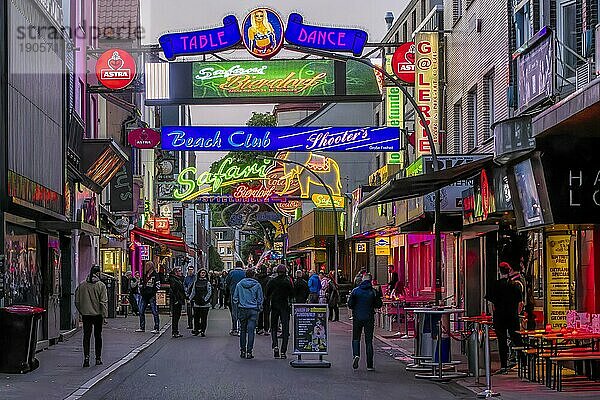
330, 39
226, 175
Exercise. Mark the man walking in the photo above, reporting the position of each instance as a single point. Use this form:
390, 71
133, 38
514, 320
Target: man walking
280, 292
506, 295
149, 288
300, 288
91, 300
248, 300
233, 278
177, 300
314, 287
363, 301
263, 323
222, 289
188, 282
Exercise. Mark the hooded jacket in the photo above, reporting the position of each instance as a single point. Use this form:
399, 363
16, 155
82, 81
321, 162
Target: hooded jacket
280, 291
314, 284
91, 298
363, 301
248, 294
234, 277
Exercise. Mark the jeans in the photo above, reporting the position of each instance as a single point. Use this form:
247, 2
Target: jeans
357, 327
200, 319
190, 314
96, 322
313, 298
175, 316
153, 307
506, 326
264, 318
233, 310
284, 315
247, 318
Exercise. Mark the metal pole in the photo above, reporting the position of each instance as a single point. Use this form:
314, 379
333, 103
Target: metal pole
488, 392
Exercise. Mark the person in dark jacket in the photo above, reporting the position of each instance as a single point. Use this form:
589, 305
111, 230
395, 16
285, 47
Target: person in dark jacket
148, 290
363, 301
233, 278
133, 293
178, 298
222, 290
200, 298
280, 292
333, 298
300, 288
263, 324
188, 282
248, 298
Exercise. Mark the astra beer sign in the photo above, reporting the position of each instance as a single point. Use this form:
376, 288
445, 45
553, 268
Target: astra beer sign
300, 139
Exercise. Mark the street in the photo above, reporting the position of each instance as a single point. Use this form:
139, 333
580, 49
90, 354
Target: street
210, 368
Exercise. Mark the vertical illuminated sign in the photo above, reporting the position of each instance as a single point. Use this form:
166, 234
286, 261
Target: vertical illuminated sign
394, 117
427, 90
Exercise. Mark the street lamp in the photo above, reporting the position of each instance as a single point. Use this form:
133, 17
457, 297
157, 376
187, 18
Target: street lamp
423, 120
330, 194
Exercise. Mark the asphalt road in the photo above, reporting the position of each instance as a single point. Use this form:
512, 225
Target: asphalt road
210, 368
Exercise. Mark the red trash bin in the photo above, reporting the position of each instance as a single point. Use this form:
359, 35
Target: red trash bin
18, 338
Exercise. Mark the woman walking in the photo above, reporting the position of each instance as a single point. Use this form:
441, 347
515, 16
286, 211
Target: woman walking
200, 298
333, 298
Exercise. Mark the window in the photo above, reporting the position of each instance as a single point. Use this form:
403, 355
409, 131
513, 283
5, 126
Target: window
423, 9
219, 235
378, 161
523, 25
404, 33
457, 7
229, 250
488, 104
229, 265
457, 125
413, 19
377, 118
221, 250
567, 35
472, 119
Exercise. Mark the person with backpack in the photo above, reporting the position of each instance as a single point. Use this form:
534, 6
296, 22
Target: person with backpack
148, 290
363, 301
200, 298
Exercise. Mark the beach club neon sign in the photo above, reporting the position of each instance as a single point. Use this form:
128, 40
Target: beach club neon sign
229, 35
302, 139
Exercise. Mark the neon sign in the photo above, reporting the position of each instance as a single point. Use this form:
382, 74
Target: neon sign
330, 39
202, 42
226, 175
301, 139
116, 69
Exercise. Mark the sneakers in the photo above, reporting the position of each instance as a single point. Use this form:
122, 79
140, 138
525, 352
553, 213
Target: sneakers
154, 331
242, 354
502, 371
249, 355
140, 330
260, 332
276, 352
355, 362
370, 369
86, 362
98, 361
283, 356
195, 333
177, 335
232, 332
202, 334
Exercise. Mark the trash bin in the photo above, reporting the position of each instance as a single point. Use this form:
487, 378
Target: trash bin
111, 289
19, 327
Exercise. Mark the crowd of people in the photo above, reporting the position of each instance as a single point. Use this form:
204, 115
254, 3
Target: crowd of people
259, 301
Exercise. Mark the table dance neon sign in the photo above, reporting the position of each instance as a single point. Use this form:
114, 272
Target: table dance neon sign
229, 35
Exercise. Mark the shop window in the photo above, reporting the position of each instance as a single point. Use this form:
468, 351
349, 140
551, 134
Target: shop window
23, 274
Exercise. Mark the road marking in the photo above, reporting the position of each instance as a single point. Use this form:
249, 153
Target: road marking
83, 389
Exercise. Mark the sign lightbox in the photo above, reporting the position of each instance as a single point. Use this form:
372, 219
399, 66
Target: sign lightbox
427, 90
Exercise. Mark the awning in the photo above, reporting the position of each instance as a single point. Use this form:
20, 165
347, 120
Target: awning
420, 185
172, 242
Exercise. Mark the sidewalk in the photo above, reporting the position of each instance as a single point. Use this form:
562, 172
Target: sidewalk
60, 373
509, 386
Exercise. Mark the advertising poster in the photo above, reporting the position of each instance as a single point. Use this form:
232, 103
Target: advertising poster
310, 328
558, 279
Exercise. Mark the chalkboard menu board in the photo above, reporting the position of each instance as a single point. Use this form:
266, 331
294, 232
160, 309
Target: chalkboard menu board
310, 328
536, 71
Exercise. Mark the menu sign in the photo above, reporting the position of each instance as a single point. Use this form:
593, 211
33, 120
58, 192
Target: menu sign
310, 328
558, 279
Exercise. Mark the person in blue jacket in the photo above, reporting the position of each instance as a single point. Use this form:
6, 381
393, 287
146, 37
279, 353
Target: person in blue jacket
248, 297
233, 278
363, 301
314, 287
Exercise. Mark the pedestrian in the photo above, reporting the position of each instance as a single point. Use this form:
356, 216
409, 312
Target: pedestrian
333, 298
314, 287
188, 282
263, 324
506, 295
133, 296
280, 293
200, 298
363, 301
178, 299
324, 286
91, 300
148, 290
248, 300
300, 288
233, 278
214, 284
393, 279
222, 291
